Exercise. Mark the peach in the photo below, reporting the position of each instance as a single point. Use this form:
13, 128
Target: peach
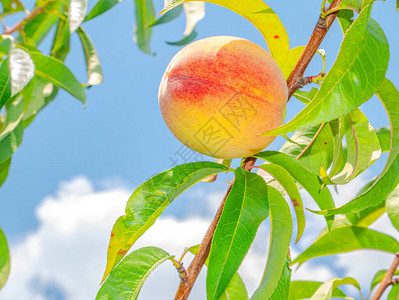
218, 94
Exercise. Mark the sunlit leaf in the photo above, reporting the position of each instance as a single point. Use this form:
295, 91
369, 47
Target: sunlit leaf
245, 208
14, 111
347, 84
348, 238
288, 183
259, 14
392, 206
11, 6
290, 62
281, 231
384, 137
311, 182
325, 291
22, 69
388, 178
5, 82
167, 17
282, 289
142, 34
306, 96
60, 47
147, 203
305, 290
4, 167
57, 73
76, 13
94, 72
127, 279
195, 11
101, 7
5, 45
4, 259
394, 293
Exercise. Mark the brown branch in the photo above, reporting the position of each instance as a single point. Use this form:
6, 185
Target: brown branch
387, 281
319, 32
22, 22
323, 25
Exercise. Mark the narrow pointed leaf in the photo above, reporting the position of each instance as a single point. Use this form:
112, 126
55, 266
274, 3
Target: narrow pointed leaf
22, 69
5, 46
388, 179
259, 14
101, 7
288, 183
11, 142
142, 34
60, 48
305, 290
236, 289
245, 208
4, 167
346, 239
292, 57
355, 76
311, 182
127, 279
5, 82
281, 231
4, 259
147, 203
13, 116
378, 277
167, 17
325, 291
57, 73
195, 11
76, 13
394, 293
392, 206
384, 137
94, 71
283, 286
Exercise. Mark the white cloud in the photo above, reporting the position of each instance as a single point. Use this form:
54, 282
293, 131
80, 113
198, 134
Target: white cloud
65, 256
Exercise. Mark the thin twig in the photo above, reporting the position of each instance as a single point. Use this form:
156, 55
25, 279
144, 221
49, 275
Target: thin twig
319, 32
203, 251
387, 281
18, 26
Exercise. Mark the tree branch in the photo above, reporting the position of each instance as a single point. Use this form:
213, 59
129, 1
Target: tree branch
387, 281
313, 44
22, 22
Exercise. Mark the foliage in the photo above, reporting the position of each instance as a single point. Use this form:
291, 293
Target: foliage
333, 143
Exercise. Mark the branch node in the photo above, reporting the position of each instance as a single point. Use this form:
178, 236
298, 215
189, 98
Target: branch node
322, 22
182, 273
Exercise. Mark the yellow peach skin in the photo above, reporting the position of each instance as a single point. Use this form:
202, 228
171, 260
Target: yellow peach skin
219, 93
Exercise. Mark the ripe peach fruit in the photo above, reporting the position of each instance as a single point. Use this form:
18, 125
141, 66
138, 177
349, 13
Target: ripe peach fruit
219, 93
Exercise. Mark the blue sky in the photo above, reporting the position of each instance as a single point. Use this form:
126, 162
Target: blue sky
120, 139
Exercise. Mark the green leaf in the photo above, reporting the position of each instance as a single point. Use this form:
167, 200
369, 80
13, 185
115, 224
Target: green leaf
281, 231
167, 17
312, 147
11, 6
283, 287
392, 206
311, 182
286, 181
76, 13
245, 208
94, 71
5, 82
101, 7
5, 45
325, 291
22, 69
236, 289
147, 203
142, 34
37, 28
348, 238
384, 137
347, 85
394, 293
127, 279
305, 290
4, 167
4, 259
363, 147
14, 110
57, 73
260, 15
378, 277
304, 96
195, 11
60, 47
292, 58
388, 179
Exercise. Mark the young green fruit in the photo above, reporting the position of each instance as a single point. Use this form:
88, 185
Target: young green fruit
219, 93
